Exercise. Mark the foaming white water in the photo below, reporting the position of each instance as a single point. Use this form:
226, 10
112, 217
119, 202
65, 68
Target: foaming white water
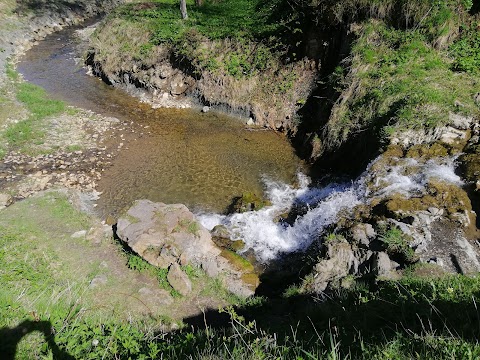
409, 176
268, 237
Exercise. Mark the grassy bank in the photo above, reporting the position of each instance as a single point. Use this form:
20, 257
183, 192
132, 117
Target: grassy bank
234, 52
411, 65
23, 125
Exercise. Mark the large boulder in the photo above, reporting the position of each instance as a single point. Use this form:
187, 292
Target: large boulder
170, 234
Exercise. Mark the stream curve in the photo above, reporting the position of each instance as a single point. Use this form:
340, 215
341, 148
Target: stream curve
167, 155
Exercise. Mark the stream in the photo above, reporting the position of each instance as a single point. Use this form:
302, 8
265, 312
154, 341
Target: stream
202, 160
205, 160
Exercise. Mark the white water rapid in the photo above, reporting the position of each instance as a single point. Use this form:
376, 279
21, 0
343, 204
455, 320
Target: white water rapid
261, 230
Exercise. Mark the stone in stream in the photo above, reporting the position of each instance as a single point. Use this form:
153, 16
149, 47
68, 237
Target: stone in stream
169, 234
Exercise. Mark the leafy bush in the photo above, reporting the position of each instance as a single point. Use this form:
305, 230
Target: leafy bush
466, 51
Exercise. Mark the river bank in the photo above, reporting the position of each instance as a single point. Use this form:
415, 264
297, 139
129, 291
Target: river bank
369, 258
53, 156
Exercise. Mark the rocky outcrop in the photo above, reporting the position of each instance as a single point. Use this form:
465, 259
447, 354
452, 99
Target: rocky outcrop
169, 235
179, 280
416, 210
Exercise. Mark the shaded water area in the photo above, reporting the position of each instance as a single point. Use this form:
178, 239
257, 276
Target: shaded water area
169, 155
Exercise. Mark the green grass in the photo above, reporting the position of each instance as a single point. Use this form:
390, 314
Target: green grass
257, 40
466, 51
38, 102
401, 82
135, 262
397, 244
40, 106
413, 318
215, 19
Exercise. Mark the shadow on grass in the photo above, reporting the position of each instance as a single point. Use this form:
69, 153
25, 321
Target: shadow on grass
10, 337
414, 316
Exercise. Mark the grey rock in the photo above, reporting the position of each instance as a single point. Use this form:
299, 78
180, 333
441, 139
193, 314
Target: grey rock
339, 261
382, 266
250, 122
452, 135
220, 231
460, 122
450, 248
169, 234
179, 280
363, 233
157, 297
98, 281
5, 200
205, 109
79, 234
211, 268
150, 227
178, 85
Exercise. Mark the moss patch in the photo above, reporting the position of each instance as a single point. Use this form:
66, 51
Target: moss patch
427, 152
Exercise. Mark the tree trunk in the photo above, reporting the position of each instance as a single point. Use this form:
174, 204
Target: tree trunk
183, 9
198, 2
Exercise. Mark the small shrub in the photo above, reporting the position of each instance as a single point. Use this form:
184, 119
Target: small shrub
397, 243
466, 51
137, 263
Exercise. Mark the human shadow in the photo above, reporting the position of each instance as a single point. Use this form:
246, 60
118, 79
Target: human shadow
10, 337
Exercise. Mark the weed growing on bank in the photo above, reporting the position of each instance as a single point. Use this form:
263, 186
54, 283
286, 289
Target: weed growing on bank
22, 134
397, 80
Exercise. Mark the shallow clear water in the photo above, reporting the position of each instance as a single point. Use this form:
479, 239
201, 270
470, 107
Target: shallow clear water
201, 160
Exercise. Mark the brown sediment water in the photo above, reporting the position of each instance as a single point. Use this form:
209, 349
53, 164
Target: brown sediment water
172, 155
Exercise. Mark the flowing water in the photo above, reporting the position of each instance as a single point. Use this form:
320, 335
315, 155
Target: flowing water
269, 238
174, 155
204, 160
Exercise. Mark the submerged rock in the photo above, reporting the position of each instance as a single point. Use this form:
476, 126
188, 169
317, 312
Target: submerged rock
249, 201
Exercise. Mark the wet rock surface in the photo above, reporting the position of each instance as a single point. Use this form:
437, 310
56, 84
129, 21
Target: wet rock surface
414, 212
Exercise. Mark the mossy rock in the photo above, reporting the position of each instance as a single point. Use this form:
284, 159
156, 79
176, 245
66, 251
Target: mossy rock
249, 201
427, 152
452, 198
228, 244
394, 151
388, 158
221, 238
400, 204
470, 166
238, 262
251, 280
